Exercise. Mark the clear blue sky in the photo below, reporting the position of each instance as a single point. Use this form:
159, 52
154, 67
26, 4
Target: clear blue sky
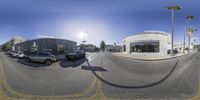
108, 20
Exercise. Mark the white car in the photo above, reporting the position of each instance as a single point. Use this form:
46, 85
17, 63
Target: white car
18, 54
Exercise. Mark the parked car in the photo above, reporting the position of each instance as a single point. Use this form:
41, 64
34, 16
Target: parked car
18, 54
77, 54
8, 52
44, 57
170, 51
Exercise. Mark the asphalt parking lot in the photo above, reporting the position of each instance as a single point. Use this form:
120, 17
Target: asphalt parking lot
111, 77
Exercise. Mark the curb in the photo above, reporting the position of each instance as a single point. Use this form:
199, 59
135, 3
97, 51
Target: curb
157, 59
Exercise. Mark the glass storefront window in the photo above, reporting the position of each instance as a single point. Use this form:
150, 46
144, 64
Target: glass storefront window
152, 46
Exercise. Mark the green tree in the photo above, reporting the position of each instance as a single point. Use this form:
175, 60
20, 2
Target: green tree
102, 46
196, 47
6, 47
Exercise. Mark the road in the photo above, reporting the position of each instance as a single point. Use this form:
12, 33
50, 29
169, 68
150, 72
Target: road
119, 78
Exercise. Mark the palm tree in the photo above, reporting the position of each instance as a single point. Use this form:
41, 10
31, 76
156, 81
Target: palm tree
102, 45
189, 29
189, 32
189, 17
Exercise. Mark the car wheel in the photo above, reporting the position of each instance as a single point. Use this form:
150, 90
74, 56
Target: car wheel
27, 59
48, 62
74, 58
66, 59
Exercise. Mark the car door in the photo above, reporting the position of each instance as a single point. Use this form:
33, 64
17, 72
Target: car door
33, 57
40, 57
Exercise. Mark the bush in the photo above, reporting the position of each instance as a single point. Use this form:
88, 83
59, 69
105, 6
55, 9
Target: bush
6, 47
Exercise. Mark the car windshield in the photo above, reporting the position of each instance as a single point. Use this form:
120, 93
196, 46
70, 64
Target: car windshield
99, 50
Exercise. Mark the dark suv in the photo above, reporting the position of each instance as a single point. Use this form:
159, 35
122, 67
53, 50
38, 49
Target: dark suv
77, 54
170, 51
44, 57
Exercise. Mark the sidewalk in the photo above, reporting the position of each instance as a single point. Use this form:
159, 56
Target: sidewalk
149, 57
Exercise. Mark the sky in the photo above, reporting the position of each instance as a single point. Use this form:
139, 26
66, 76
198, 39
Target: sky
108, 20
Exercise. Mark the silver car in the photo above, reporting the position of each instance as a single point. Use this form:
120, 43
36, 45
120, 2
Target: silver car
44, 57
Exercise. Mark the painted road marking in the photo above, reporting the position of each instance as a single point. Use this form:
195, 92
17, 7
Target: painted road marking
3, 96
99, 95
27, 96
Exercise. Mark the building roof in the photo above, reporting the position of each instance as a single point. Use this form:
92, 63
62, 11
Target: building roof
149, 32
48, 39
155, 32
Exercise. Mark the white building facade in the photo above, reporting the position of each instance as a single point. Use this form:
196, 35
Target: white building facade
147, 43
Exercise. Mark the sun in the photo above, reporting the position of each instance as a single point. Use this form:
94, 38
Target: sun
83, 35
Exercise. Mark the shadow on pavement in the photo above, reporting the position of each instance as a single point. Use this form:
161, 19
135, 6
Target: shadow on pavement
129, 87
67, 64
31, 64
93, 68
10, 56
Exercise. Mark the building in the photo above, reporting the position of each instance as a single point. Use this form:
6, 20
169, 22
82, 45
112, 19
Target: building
147, 43
53, 45
180, 47
0, 48
87, 47
117, 48
196, 47
113, 48
15, 40
90, 48
109, 48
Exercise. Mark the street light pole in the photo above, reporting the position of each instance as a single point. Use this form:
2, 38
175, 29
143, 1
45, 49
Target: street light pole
84, 36
173, 9
172, 32
84, 40
190, 30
